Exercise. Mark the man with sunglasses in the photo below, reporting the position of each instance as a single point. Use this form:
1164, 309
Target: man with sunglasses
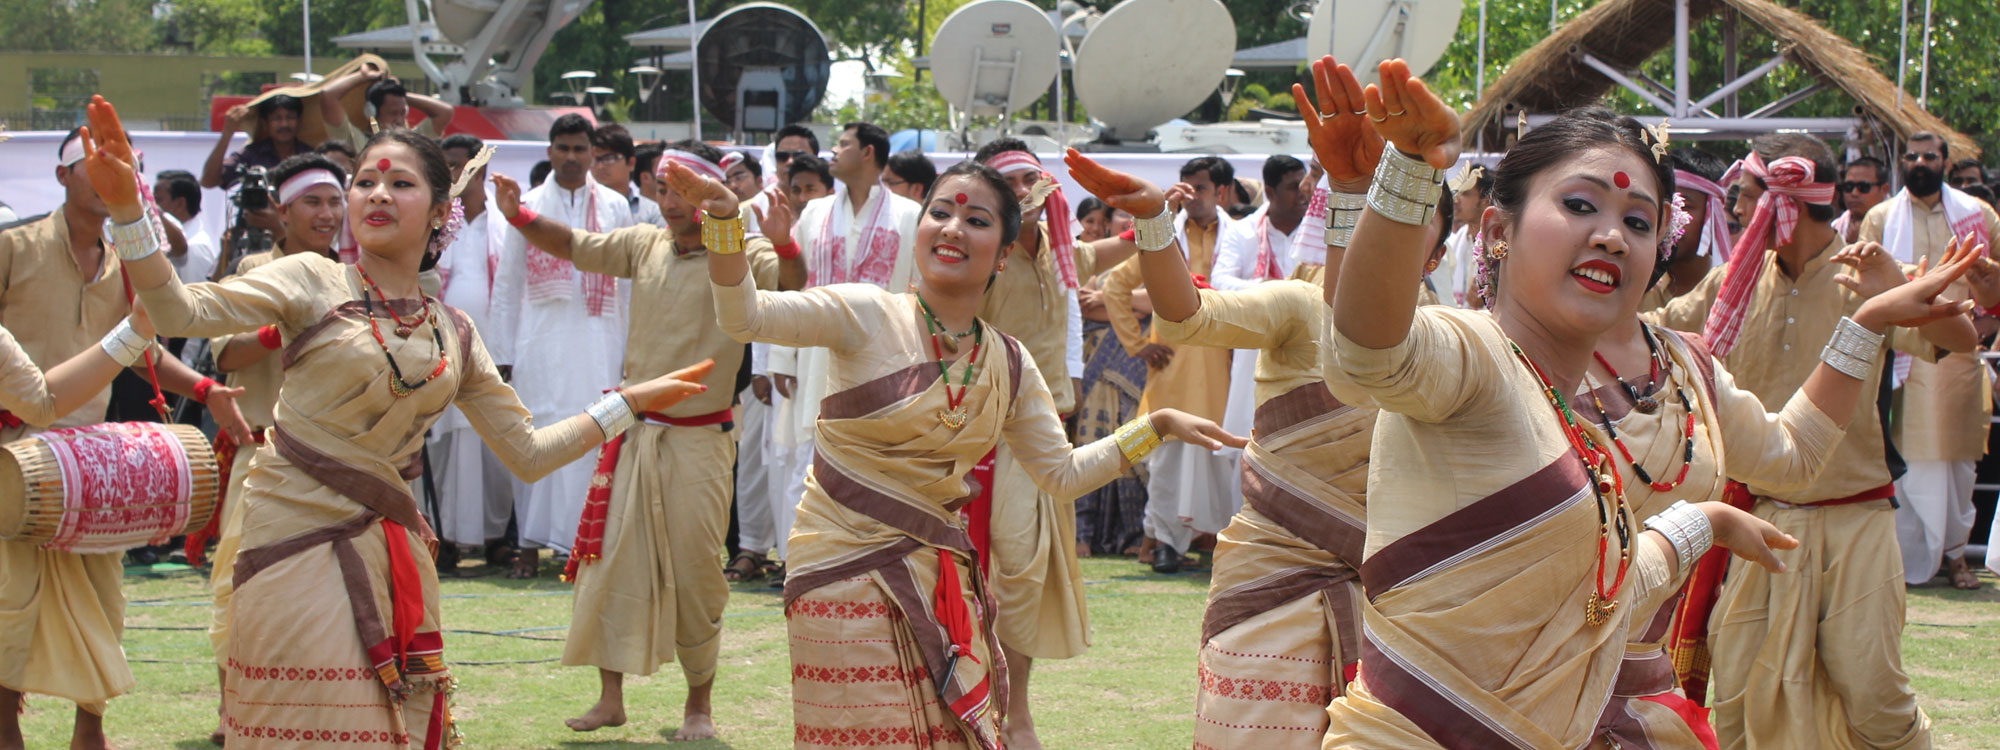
1940, 427
1864, 182
792, 141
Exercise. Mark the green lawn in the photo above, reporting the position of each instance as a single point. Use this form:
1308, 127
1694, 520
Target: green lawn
1135, 689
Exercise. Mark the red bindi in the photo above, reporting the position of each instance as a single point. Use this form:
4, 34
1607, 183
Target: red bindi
383, 165
960, 198
1622, 180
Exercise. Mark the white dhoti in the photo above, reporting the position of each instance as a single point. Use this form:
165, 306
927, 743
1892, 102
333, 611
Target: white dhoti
1191, 490
1934, 516
475, 491
756, 531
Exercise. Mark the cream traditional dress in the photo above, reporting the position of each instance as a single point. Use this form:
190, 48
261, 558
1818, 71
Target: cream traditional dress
1733, 438
1481, 549
334, 630
1035, 575
657, 591
1281, 635
892, 639
62, 615
1812, 658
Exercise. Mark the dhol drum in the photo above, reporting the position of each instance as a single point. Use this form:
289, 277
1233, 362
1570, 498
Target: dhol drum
106, 487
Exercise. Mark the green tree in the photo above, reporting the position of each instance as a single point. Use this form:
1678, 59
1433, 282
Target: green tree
78, 26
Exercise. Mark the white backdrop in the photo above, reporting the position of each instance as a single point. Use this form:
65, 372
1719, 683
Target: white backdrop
28, 161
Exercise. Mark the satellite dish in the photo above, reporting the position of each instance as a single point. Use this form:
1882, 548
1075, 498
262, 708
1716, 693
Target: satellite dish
1002, 56
482, 30
1150, 61
1363, 33
763, 65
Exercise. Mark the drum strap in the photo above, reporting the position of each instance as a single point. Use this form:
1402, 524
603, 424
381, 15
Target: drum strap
159, 400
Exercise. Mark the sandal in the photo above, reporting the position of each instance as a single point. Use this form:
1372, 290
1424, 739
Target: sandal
745, 566
1962, 575
774, 574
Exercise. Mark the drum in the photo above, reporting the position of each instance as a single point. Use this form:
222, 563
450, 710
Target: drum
106, 487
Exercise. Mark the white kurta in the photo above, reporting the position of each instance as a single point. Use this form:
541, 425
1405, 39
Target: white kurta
563, 357
1236, 250
475, 491
1454, 274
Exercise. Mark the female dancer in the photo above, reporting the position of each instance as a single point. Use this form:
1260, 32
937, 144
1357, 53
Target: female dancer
1282, 630
336, 630
891, 627
1504, 567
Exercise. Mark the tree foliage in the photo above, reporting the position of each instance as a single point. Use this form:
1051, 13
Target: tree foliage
78, 26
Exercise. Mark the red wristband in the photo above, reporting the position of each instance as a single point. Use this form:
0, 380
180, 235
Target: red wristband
788, 250
1200, 281
271, 338
201, 389
523, 217
1129, 235
1994, 310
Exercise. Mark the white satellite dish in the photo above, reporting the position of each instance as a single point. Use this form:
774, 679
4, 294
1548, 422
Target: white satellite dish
1363, 33
1149, 61
995, 57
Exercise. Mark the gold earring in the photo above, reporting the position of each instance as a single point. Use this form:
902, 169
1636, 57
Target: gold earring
436, 224
1498, 251
1002, 266
1431, 266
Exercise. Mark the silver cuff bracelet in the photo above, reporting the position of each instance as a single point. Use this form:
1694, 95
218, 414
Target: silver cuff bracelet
1155, 233
613, 414
124, 344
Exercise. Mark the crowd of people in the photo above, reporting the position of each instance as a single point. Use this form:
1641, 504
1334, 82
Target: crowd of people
1467, 459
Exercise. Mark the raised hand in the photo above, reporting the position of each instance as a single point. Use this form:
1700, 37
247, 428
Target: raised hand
1344, 143
1984, 278
708, 193
238, 118
108, 158
506, 195
1179, 195
661, 393
1122, 191
1409, 115
1915, 303
776, 221
1872, 270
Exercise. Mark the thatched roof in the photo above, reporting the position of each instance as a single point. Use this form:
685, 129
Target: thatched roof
1626, 33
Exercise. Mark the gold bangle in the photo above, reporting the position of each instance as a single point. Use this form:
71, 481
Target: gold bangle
1137, 438
722, 236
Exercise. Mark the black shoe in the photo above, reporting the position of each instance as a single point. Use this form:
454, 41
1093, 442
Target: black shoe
1166, 560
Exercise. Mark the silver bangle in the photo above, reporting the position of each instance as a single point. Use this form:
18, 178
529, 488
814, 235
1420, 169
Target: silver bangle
1687, 528
1853, 350
1341, 221
1406, 189
135, 240
613, 414
124, 343
1155, 233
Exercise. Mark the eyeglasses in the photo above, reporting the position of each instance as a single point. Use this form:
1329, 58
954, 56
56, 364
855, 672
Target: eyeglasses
1925, 156
789, 155
610, 158
1858, 187
894, 183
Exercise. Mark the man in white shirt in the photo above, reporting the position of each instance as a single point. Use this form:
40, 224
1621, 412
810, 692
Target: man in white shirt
559, 333
1472, 192
475, 490
613, 158
179, 195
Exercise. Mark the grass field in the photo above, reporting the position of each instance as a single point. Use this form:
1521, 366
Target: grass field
1134, 690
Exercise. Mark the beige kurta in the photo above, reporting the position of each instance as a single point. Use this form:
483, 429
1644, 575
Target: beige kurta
1945, 407
881, 506
1035, 574
61, 614
1734, 438
1481, 548
1283, 621
1792, 652
313, 651
658, 591
1196, 381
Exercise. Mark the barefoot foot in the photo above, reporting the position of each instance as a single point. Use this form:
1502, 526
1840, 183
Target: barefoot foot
695, 727
598, 717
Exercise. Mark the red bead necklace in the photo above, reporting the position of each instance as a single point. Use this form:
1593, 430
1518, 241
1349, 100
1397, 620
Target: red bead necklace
398, 385
1687, 425
1612, 515
953, 415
